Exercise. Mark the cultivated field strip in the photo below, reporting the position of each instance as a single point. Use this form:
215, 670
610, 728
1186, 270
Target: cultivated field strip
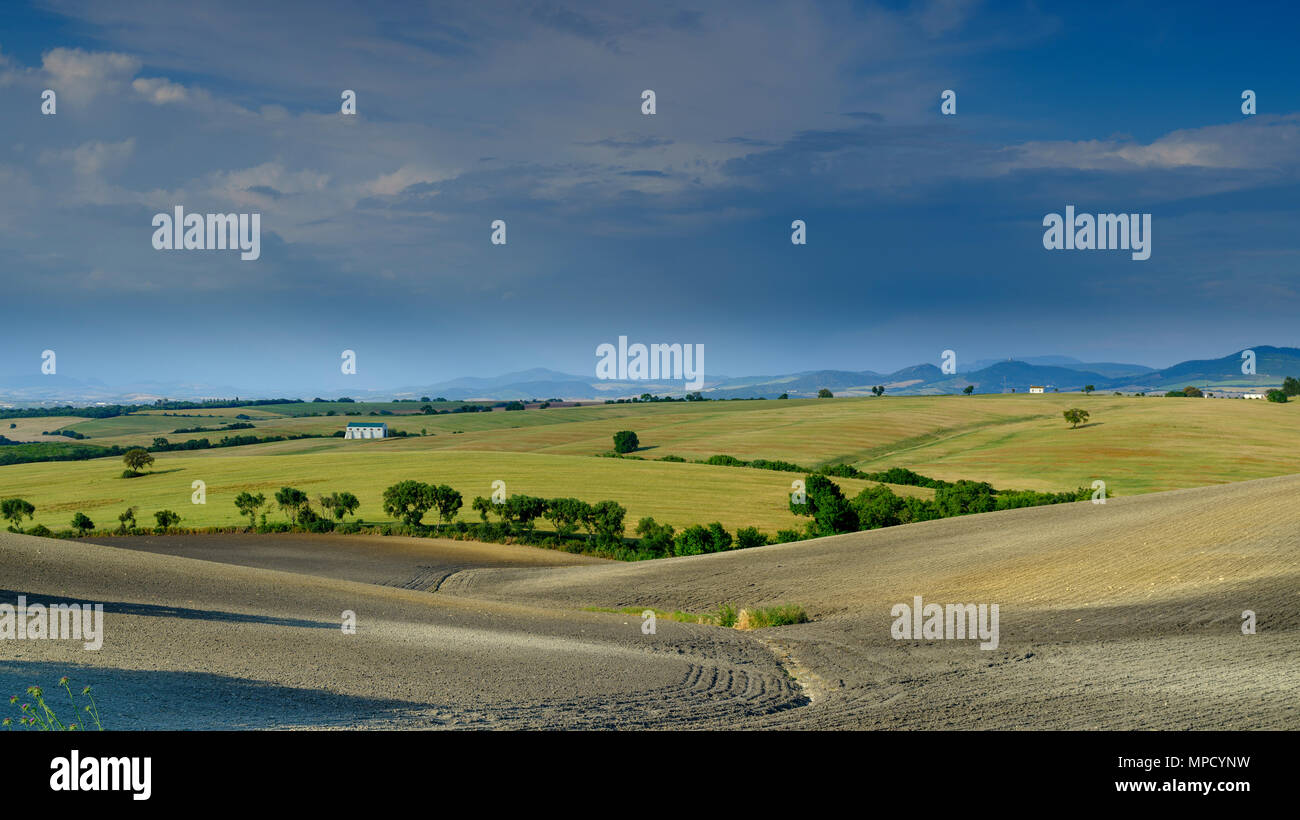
1122, 615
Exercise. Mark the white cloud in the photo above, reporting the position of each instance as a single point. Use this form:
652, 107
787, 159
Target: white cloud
1265, 142
401, 179
159, 90
80, 76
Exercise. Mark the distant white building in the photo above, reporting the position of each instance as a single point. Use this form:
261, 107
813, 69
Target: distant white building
1036, 389
1252, 395
366, 429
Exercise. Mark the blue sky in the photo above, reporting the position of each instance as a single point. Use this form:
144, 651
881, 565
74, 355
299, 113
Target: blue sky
924, 231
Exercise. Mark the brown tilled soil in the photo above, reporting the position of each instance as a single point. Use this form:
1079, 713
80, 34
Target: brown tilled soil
1125, 615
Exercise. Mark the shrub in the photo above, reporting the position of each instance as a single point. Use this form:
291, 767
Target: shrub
166, 518
82, 523
965, 497
625, 441
760, 618
826, 503
656, 538
41, 530
725, 615
878, 507
720, 537
126, 521
1278, 396
918, 509
725, 461
698, 540
747, 537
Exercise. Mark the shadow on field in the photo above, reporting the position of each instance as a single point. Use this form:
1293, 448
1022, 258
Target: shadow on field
156, 611
141, 700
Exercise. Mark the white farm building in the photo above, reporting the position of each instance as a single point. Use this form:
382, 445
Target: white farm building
366, 429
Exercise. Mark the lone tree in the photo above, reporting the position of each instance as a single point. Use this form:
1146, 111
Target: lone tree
1194, 392
409, 501
82, 523
1075, 416
968, 389
1278, 396
1088, 388
1290, 386
339, 504
878, 390
13, 510
625, 441
136, 459
825, 394
248, 504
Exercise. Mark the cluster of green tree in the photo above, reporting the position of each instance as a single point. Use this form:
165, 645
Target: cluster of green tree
162, 445
877, 506
109, 411
430, 410
1279, 396
296, 506
515, 405
518, 514
696, 396
1189, 391
758, 463
22, 452
14, 510
72, 434
239, 425
660, 540
894, 475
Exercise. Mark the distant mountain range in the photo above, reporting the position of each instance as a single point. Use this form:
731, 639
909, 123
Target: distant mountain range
1063, 373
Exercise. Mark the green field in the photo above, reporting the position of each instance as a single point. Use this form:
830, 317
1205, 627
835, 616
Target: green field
1135, 445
